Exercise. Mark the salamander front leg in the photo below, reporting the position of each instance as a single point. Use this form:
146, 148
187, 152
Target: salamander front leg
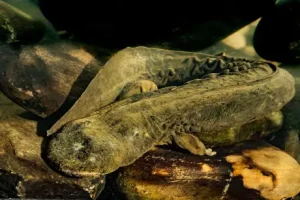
137, 87
192, 144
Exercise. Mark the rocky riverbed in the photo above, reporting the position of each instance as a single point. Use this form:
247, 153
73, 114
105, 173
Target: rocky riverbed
265, 166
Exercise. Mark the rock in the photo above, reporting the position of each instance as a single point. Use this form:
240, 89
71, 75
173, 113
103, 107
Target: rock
243, 171
287, 138
238, 44
277, 36
23, 172
161, 23
42, 78
31, 9
17, 26
292, 144
268, 170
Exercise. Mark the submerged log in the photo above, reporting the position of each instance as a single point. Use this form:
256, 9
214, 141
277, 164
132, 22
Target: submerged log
23, 171
252, 170
42, 78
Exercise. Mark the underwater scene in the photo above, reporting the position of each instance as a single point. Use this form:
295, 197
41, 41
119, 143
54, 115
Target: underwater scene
158, 100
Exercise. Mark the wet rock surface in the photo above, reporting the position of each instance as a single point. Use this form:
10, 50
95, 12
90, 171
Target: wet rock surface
245, 170
41, 78
277, 34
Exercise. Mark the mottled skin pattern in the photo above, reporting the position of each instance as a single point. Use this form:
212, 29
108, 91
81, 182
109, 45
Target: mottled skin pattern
121, 132
163, 67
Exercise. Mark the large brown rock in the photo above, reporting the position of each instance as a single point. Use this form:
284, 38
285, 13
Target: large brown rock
177, 25
42, 78
250, 170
